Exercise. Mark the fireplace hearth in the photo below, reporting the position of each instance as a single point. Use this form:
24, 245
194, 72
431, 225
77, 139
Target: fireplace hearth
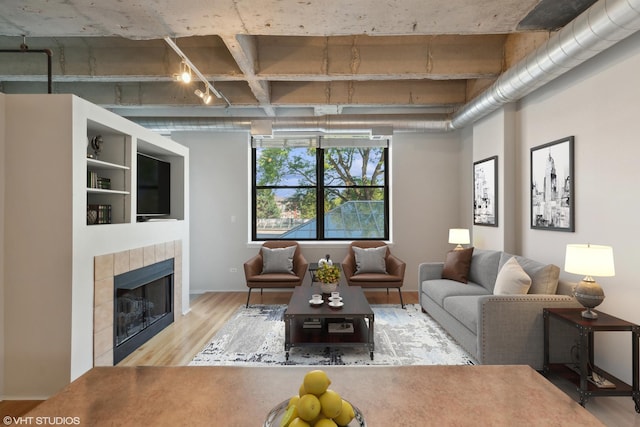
143, 306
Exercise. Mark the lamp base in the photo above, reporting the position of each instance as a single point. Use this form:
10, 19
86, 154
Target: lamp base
589, 314
590, 295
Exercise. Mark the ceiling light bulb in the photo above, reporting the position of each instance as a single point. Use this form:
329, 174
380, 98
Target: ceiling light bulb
199, 94
185, 76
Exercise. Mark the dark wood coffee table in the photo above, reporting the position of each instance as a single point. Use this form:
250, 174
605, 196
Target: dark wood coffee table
307, 325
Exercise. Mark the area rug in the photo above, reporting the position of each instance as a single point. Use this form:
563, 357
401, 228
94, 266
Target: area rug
254, 336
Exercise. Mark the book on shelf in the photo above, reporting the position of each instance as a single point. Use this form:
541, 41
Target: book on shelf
98, 214
95, 181
312, 323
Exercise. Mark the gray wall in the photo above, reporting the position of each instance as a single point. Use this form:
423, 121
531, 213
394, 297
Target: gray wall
426, 176
598, 104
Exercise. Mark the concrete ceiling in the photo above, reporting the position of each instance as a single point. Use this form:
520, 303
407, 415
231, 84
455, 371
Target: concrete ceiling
274, 57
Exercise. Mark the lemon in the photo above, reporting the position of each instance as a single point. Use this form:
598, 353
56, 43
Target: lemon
346, 414
326, 423
297, 422
301, 390
308, 407
293, 401
289, 415
331, 403
316, 382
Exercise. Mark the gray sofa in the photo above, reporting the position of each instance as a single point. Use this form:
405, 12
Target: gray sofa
499, 329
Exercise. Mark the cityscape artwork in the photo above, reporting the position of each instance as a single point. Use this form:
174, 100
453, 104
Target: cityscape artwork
552, 204
485, 192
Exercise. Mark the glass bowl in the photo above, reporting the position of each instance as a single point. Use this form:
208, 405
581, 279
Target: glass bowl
275, 415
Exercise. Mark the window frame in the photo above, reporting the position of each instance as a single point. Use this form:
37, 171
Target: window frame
320, 191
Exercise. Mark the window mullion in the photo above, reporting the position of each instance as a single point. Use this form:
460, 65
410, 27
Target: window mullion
320, 194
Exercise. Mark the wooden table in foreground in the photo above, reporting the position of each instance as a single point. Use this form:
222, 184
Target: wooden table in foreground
387, 396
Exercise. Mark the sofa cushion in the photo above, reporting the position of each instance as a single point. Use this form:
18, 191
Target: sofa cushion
456, 265
512, 279
439, 289
465, 310
277, 260
484, 268
544, 277
370, 260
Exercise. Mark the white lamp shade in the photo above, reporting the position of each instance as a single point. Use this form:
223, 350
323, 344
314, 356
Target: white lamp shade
589, 260
459, 236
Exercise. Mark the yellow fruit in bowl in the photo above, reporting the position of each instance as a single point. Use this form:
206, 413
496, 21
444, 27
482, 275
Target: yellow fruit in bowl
290, 414
316, 382
325, 423
331, 403
346, 414
293, 401
308, 407
301, 390
297, 422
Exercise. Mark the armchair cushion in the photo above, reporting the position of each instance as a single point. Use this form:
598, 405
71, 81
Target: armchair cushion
277, 260
370, 260
457, 264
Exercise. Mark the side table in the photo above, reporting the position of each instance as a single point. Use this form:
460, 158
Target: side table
586, 329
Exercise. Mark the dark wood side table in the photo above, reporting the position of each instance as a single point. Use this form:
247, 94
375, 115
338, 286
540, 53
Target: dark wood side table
586, 329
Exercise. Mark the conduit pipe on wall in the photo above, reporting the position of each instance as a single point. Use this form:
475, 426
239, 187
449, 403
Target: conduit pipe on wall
595, 30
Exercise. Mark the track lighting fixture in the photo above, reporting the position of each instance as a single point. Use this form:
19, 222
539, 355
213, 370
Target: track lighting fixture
205, 96
187, 68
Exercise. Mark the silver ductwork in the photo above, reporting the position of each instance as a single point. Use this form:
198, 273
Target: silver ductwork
595, 30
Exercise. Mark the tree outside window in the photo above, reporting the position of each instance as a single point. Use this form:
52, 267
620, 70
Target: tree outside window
312, 193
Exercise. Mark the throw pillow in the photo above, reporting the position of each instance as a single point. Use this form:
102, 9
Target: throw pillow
457, 264
512, 279
277, 260
370, 260
544, 277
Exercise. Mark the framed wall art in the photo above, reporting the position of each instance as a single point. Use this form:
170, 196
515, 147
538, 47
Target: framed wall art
485, 192
552, 193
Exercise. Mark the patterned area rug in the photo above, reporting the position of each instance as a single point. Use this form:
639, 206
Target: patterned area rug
255, 337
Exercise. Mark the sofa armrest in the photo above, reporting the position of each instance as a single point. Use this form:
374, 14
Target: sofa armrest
429, 271
300, 266
511, 329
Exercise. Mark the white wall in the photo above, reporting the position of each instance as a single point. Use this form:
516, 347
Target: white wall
426, 175
598, 104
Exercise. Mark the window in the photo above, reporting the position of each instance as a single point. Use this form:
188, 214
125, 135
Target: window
320, 189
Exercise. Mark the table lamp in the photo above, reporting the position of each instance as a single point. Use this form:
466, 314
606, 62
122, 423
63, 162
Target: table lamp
589, 260
459, 236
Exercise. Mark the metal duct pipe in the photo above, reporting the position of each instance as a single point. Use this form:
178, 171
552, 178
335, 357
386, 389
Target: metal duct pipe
598, 28
595, 30
317, 124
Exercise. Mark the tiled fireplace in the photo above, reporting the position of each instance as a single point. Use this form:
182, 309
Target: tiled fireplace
106, 268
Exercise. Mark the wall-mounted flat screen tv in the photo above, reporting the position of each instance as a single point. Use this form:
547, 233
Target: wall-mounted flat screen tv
154, 187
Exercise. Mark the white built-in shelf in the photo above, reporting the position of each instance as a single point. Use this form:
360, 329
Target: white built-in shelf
99, 164
104, 191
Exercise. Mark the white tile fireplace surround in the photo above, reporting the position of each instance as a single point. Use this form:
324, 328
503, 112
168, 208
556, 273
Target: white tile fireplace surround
106, 267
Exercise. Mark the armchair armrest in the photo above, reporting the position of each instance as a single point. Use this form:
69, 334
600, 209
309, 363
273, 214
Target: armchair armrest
429, 271
300, 265
253, 267
510, 329
395, 266
348, 266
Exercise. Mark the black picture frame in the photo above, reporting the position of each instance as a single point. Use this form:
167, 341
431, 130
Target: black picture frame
485, 192
552, 196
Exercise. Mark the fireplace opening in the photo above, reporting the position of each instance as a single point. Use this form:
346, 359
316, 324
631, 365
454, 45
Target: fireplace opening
143, 306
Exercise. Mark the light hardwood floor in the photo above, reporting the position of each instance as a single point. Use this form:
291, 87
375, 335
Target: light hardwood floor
178, 344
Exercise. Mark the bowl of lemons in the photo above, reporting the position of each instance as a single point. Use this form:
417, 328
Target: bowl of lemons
315, 405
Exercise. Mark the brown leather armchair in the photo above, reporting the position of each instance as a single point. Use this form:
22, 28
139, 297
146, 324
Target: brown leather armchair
393, 278
257, 279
